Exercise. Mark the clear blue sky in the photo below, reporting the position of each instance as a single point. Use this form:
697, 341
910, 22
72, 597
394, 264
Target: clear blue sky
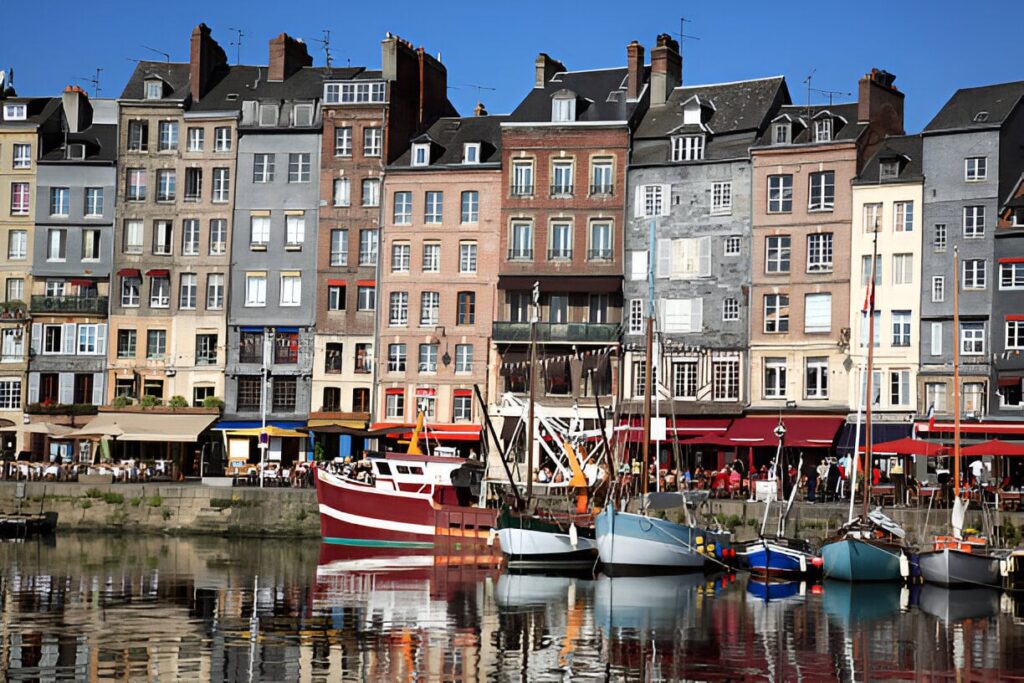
932, 47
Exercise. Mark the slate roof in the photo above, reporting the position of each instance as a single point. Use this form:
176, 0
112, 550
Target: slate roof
601, 96
803, 129
39, 110
175, 74
100, 142
906, 148
960, 111
250, 82
744, 105
449, 134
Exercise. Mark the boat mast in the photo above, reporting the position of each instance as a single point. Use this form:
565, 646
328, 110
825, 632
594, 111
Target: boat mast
868, 391
533, 383
649, 364
956, 373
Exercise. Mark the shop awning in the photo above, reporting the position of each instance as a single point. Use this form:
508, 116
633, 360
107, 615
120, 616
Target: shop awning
278, 428
440, 432
907, 446
595, 284
145, 426
679, 428
880, 431
753, 432
995, 447
973, 427
158, 272
81, 282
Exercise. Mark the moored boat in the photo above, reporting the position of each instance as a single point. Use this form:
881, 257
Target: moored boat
546, 540
784, 557
862, 559
954, 562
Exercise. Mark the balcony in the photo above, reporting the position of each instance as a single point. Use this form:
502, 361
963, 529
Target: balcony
91, 305
557, 332
522, 190
599, 254
601, 190
13, 310
561, 254
561, 190
520, 254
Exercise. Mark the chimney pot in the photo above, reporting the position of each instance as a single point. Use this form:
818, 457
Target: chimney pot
479, 110
287, 56
545, 68
666, 69
634, 70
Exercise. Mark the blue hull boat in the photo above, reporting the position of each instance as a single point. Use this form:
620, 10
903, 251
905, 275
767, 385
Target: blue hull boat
781, 557
855, 559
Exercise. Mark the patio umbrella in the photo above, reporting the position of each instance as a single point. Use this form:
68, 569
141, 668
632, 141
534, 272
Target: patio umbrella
908, 446
101, 431
47, 428
994, 447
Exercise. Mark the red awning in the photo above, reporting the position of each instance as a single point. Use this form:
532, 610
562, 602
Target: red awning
681, 428
438, 432
158, 272
1009, 381
129, 272
333, 282
973, 427
908, 446
994, 447
1012, 259
81, 282
366, 283
801, 432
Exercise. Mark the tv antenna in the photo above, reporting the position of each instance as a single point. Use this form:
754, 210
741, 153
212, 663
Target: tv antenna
683, 36
167, 57
478, 88
326, 43
831, 94
237, 42
95, 80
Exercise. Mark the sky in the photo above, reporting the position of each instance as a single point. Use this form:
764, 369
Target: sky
489, 48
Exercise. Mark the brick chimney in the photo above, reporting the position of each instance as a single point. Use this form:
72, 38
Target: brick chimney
635, 69
479, 110
287, 55
77, 109
545, 69
666, 69
880, 102
206, 61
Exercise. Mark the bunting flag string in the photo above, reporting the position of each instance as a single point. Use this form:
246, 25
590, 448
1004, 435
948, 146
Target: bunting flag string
564, 358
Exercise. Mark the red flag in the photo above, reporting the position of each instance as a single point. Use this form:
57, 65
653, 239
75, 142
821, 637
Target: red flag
869, 297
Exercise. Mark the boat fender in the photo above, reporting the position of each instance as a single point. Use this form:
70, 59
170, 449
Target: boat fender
803, 564
491, 535
700, 540
1004, 567
803, 587
711, 548
904, 598
904, 566
574, 537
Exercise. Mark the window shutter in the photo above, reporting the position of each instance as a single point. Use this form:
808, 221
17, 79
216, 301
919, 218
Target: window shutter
97, 385
66, 393
101, 339
638, 265
69, 342
664, 264
704, 249
936, 339
37, 346
666, 199
638, 202
696, 315
678, 259
33, 387
818, 313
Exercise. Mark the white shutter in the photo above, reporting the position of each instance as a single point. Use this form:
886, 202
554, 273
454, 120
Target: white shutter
638, 265
696, 315
664, 263
936, 339
97, 386
666, 199
638, 202
33, 388
679, 259
818, 313
704, 255
66, 389
677, 315
69, 339
101, 339
37, 346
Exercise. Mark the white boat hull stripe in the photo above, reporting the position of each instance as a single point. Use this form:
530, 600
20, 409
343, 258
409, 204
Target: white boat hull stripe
375, 523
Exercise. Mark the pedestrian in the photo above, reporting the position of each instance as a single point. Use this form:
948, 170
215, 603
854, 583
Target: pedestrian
812, 483
832, 480
899, 480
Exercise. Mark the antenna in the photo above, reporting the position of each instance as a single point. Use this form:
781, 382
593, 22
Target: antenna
831, 94
326, 42
159, 52
95, 80
471, 85
237, 42
683, 36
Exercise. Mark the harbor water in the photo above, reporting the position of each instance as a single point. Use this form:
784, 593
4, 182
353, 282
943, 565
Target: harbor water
155, 608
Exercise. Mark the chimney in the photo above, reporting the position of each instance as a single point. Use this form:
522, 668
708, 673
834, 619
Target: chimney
77, 109
879, 101
666, 69
635, 70
479, 110
545, 69
287, 55
206, 60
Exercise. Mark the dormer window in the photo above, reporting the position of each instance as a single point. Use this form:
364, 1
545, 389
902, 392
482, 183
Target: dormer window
75, 151
268, 114
303, 115
1018, 218
688, 148
15, 112
981, 117
781, 133
154, 89
421, 154
889, 169
563, 109
823, 130
471, 153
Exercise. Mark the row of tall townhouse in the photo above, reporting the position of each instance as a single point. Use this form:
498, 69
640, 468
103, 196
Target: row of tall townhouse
337, 246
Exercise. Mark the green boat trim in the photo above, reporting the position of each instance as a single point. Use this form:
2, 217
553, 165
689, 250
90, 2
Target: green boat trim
366, 543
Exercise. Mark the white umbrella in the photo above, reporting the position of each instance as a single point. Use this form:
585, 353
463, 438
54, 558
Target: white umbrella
47, 428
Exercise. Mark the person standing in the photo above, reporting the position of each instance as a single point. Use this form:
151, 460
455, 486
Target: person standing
899, 480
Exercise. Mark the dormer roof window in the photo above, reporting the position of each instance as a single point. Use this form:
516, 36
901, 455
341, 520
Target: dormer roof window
563, 108
823, 129
154, 89
697, 111
268, 114
302, 115
15, 112
889, 169
687, 148
421, 154
471, 153
782, 133
75, 150
1018, 217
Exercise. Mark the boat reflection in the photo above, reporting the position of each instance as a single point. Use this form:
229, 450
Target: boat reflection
951, 605
854, 604
775, 591
647, 605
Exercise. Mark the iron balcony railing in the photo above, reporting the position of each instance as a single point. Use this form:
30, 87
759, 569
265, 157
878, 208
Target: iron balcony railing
69, 304
557, 332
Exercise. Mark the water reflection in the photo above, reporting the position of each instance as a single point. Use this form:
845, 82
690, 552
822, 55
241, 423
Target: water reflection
207, 609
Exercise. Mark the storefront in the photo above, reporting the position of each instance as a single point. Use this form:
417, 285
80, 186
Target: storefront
753, 439
339, 435
285, 443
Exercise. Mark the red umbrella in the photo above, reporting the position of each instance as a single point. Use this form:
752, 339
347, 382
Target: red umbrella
908, 446
994, 447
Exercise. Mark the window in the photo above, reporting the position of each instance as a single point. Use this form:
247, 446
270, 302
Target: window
431, 257
939, 237
366, 298
936, 339
342, 192
684, 379
822, 192
464, 358
398, 309
364, 358
865, 271
688, 148
263, 168
163, 234
19, 199
354, 93
165, 185
294, 231
56, 244
256, 289
428, 358
682, 315
298, 168
775, 378
259, 232
462, 406
188, 291
974, 222
206, 349
972, 339
15, 287
522, 178
136, 179
215, 291
343, 141
471, 153
433, 210
974, 274
421, 154
17, 245
817, 313
899, 387
975, 169
819, 252
938, 289
467, 257
865, 327
597, 308
156, 344
902, 269
562, 179
196, 138
470, 207
640, 378
60, 201
1015, 334
600, 241
283, 392
1017, 219
466, 314
652, 200
563, 109
10, 394
56, 287
721, 198
601, 180
396, 358
291, 290
816, 378
974, 397
903, 216
823, 130
780, 193
53, 339
725, 377
777, 252
250, 346
1011, 276
339, 247
160, 291
780, 133
935, 397
302, 115
126, 343
218, 236
168, 136
22, 154
394, 404
521, 248
371, 192
131, 289
193, 184
889, 169
371, 142
286, 347
561, 242
776, 313
402, 213
430, 308
333, 358
901, 328
336, 297
222, 139
138, 136
250, 393
190, 237
730, 310
520, 306
558, 308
